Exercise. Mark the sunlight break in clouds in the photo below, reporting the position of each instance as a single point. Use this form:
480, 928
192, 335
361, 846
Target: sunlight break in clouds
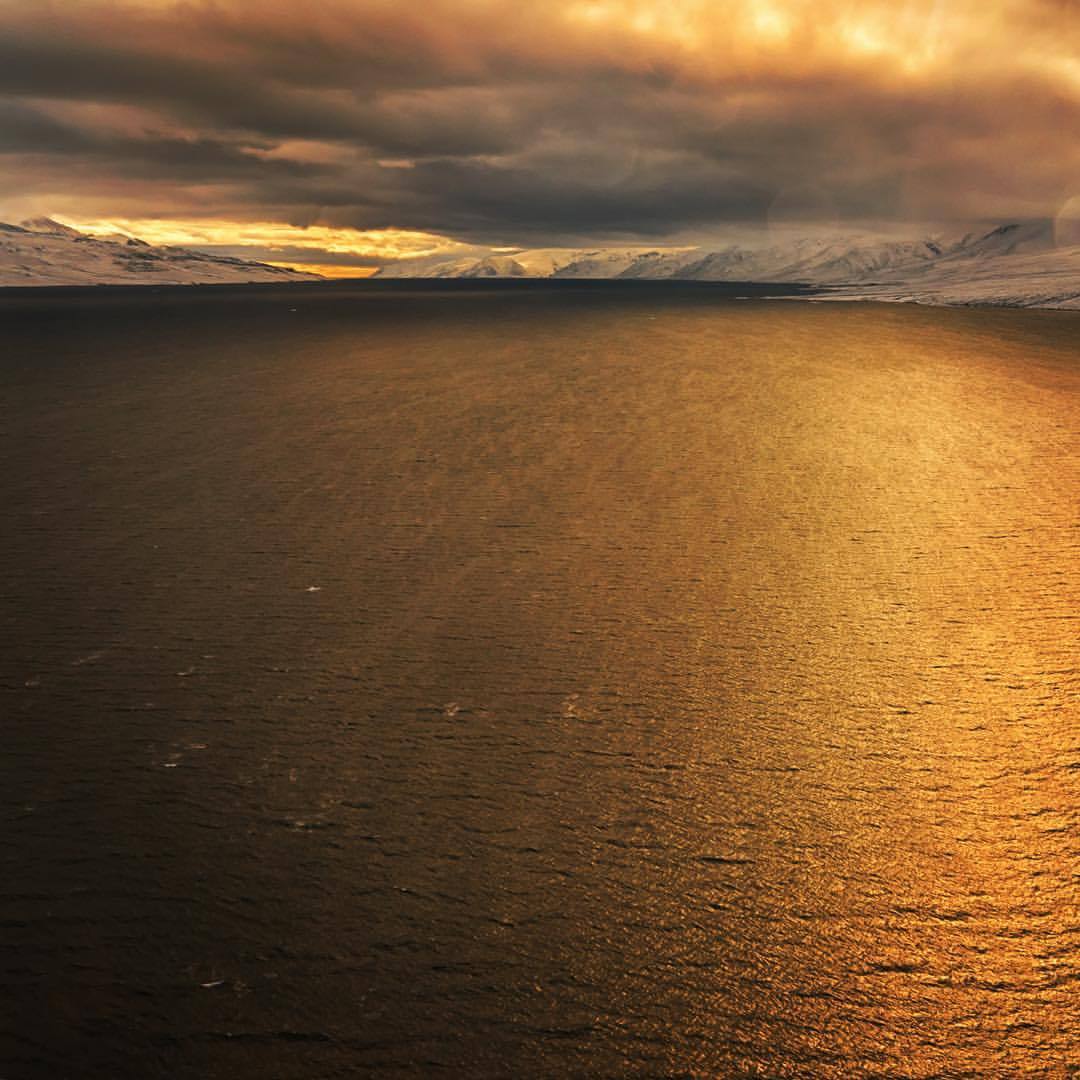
378, 246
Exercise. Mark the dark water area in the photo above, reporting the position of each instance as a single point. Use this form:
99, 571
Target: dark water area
474, 680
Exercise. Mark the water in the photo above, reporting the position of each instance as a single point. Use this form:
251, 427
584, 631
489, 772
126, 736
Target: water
537, 681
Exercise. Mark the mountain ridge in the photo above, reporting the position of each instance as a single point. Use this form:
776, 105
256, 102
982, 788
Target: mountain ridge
1018, 264
42, 251
1015, 264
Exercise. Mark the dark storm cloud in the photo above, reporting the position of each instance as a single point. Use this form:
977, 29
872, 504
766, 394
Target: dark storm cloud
499, 123
28, 131
552, 199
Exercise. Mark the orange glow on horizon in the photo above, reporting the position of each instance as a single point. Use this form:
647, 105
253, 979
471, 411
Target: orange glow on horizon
334, 271
290, 240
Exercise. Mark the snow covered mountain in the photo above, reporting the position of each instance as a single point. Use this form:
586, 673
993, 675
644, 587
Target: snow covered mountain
45, 252
1011, 266
1017, 265
1014, 265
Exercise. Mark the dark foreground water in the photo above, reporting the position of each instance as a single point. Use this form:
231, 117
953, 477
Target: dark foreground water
537, 682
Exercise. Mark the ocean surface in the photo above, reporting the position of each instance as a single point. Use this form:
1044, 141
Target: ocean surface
537, 681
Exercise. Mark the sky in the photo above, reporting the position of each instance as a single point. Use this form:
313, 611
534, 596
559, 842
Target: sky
346, 134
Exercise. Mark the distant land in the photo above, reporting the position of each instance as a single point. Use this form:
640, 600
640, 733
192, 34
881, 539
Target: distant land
1013, 265
1016, 265
46, 252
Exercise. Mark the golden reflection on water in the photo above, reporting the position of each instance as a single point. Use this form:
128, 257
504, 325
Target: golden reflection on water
879, 578
692, 687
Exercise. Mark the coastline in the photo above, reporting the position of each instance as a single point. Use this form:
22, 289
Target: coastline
807, 292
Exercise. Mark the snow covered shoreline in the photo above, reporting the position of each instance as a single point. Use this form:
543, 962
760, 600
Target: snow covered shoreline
44, 252
1019, 265
1015, 266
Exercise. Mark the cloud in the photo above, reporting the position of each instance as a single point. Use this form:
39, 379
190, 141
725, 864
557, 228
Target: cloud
277, 242
493, 122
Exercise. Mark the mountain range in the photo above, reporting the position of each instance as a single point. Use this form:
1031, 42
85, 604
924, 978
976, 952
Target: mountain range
46, 252
1028, 264
1023, 264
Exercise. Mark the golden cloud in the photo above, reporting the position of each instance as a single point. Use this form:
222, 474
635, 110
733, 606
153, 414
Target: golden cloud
373, 243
